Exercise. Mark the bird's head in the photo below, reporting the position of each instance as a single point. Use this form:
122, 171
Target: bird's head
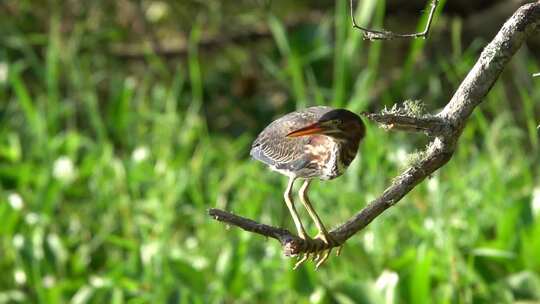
339, 124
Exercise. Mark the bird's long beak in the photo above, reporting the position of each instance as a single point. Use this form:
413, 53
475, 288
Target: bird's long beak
315, 128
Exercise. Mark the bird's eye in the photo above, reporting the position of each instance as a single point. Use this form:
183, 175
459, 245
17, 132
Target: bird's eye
338, 122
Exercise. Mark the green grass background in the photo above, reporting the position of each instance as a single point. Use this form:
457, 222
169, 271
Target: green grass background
107, 169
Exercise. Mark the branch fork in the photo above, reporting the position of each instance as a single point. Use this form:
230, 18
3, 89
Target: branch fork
444, 129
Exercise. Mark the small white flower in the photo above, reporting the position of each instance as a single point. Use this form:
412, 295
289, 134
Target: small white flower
82, 295
13, 296
140, 154
386, 283
31, 218
130, 82
18, 241
97, 281
74, 225
148, 251
55, 243
316, 296
199, 263
49, 281
429, 224
457, 222
37, 244
4, 69
433, 184
399, 157
369, 241
161, 167
535, 203
387, 279
156, 11
15, 200
63, 169
191, 242
20, 276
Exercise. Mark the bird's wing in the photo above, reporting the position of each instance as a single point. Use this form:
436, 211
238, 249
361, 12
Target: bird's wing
275, 149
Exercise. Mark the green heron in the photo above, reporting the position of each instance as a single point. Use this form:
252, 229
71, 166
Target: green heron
318, 142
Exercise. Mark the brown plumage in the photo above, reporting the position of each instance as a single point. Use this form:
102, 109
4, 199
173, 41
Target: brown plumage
310, 155
318, 142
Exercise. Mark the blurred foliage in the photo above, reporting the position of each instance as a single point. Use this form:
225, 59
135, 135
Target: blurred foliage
108, 162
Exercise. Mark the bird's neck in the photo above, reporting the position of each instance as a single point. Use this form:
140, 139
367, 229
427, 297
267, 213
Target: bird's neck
348, 150
351, 143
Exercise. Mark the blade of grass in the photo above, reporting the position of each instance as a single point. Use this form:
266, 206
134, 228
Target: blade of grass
342, 26
418, 45
32, 115
294, 62
52, 74
366, 10
195, 75
529, 113
420, 285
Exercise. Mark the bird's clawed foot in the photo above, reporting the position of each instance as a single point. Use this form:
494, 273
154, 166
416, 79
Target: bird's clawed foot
319, 257
304, 258
323, 255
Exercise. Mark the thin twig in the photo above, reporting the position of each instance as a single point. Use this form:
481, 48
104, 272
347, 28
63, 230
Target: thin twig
371, 34
291, 244
452, 119
249, 225
536, 75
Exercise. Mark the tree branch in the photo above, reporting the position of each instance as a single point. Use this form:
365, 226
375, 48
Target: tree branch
371, 34
430, 125
448, 124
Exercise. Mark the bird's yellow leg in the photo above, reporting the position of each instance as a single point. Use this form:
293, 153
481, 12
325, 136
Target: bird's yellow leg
323, 234
290, 204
